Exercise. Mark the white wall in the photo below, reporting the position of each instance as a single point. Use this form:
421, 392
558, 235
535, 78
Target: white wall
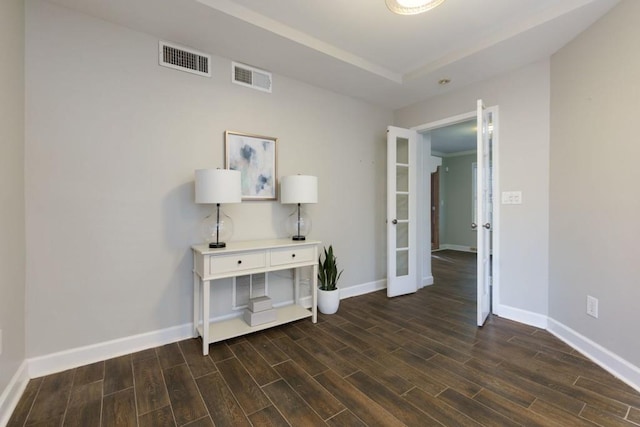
523, 99
594, 197
12, 224
112, 142
457, 177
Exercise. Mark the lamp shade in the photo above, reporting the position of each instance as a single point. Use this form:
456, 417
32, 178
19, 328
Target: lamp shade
299, 189
218, 186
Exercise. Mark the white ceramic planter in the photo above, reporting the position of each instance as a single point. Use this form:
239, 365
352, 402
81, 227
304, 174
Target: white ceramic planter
328, 301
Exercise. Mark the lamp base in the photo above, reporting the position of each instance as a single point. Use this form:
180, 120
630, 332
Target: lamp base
214, 245
298, 238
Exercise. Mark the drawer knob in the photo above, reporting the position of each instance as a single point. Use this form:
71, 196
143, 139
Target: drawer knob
293, 255
239, 261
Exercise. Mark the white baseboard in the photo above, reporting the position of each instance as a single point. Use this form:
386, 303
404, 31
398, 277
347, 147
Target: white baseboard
365, 288
609, 361
11, 395
72, 358
446, 246
427, 281
523, 316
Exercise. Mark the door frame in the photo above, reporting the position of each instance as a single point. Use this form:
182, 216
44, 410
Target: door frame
424, 202
435, 209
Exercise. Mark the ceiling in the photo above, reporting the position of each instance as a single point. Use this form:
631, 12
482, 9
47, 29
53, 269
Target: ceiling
455, 138
358, 47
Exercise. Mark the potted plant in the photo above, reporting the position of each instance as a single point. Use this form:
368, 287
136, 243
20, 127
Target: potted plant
328, 275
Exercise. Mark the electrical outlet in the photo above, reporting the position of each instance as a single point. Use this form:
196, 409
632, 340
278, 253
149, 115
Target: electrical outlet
592, 306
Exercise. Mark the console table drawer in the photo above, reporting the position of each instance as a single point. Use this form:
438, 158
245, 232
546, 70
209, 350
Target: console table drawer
292, 255
237, 262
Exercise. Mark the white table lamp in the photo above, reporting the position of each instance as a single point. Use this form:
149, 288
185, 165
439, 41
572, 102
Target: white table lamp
298, 189
216, 186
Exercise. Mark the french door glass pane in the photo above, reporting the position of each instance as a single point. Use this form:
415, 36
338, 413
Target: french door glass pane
402, 263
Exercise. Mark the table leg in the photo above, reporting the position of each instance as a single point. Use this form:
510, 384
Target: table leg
314, 293
196, 300
206, 287
296, 286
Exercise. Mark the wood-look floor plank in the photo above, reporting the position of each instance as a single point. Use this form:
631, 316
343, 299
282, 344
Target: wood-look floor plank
522, 382
170, 355
324, 355
379, 372
603, 418
143, 354
198, 364
21, 412
220, 401
371, 339
538, 375
360, 404
394, 404
513, 411
323, 338
51, 401
268, 417
85, 406
503, 388
161, 417
437, 373
202, 422
151, 391
346, 418
185, 398
634, 415
118, 374
438, 410
291, 405
631, 399
345, 337
220, 351
267, 349
244, 388
88, 374
559, 415
475, 410
254, 363
299, 355
119, 409
416, 376
309, 389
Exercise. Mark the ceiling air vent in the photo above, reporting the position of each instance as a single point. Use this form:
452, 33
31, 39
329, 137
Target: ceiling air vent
184, 59
255, 78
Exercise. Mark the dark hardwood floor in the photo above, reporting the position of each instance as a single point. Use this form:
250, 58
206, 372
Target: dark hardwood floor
416, 360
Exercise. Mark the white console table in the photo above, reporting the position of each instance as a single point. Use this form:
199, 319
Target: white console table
244, 258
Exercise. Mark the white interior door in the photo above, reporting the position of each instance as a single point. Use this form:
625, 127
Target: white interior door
401, 211
483, 210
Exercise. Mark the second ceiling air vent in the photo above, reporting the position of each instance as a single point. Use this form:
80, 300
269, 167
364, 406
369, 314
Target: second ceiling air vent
255, 78
184, 59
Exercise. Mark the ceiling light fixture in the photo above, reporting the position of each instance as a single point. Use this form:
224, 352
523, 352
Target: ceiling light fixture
411, 7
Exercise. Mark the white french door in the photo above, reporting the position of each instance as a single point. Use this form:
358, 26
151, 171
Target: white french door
401, 211
484, 211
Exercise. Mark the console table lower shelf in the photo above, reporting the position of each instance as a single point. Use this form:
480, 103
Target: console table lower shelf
232, 328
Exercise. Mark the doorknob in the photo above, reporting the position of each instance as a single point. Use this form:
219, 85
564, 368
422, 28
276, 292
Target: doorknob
474, 225
394, 222
487, 226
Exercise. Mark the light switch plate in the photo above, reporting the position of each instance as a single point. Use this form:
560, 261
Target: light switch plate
512, 197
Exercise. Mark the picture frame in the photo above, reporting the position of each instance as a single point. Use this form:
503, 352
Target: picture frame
255, 156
